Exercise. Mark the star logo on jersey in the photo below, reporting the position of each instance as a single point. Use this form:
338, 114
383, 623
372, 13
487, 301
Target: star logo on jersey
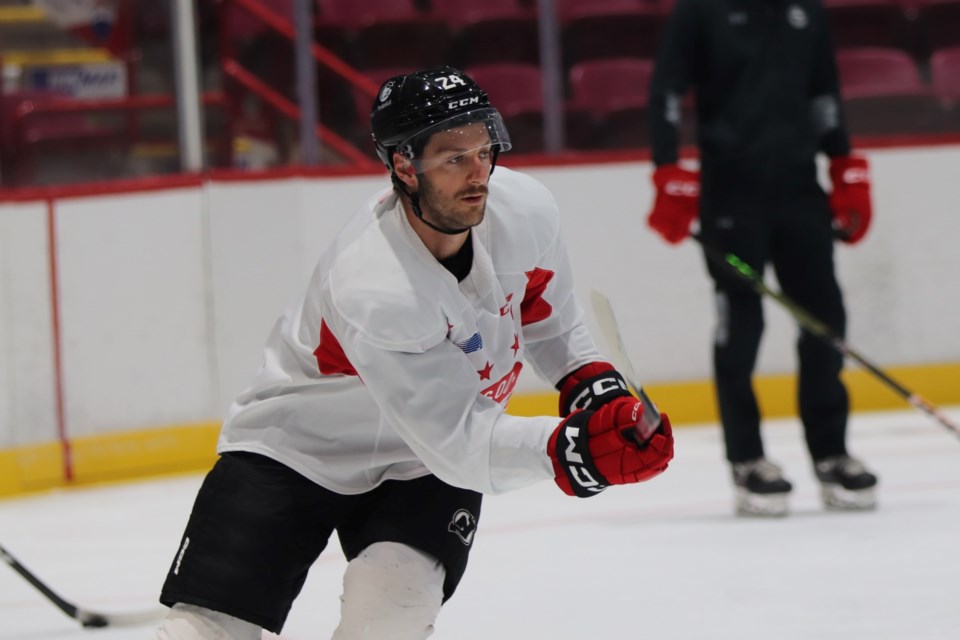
485, 372
463, 525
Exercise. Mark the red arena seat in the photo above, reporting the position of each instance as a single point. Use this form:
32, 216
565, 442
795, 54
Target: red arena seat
488, 37
465, 11
615, 92
609, 30
387, 32
515, 89
938, 24
868, 23
883, 92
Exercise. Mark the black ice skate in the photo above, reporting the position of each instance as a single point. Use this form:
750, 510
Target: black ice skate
845, 484
761, 488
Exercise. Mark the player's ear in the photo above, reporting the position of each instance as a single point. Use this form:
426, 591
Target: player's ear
405, 170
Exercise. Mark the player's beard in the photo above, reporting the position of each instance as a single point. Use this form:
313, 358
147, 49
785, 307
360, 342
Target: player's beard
451, 212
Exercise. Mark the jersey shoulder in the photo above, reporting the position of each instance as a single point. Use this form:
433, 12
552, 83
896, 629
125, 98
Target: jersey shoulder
523, 218
387, 289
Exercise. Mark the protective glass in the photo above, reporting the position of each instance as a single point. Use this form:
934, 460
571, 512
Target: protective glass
477, 132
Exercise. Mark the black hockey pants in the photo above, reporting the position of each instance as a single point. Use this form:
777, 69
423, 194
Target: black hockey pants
792, 233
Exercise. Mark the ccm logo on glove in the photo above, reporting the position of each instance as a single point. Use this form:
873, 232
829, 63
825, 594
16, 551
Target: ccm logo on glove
589, 387
591, 450
584, 475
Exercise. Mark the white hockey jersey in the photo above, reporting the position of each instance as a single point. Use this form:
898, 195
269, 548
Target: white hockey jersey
388, 368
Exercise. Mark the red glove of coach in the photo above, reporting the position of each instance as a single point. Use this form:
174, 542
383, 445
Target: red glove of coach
677, 203
591, 450
850, 199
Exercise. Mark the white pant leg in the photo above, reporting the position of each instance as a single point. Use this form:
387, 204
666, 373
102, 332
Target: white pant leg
390, 592
189, 622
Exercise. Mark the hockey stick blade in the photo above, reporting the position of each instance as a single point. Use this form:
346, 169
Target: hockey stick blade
607, 322
85, 617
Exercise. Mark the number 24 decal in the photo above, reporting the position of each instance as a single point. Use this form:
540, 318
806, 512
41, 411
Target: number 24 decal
447, 82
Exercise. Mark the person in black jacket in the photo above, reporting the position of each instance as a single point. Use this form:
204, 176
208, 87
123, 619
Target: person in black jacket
767, 102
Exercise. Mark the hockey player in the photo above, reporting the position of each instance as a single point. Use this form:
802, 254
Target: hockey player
378, 411
767, 101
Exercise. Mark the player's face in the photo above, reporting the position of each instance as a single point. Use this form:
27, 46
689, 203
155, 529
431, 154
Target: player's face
453, 193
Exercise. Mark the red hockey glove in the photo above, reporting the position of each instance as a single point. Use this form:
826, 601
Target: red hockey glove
590, 386
850, 199
677, 203
591, 450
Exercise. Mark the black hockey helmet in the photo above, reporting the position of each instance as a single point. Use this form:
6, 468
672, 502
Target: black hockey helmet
410, 108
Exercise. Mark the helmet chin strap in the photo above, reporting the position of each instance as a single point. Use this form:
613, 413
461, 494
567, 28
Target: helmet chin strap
417, 211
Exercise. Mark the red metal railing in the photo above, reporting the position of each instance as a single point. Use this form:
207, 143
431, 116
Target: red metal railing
281, 25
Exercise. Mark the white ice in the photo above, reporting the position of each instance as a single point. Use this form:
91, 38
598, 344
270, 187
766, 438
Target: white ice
665, 560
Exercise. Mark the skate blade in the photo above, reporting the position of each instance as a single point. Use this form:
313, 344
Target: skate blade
757, 505
836, 498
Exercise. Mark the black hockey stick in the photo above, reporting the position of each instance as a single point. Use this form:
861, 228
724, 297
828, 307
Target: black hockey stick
86, 617
821, 330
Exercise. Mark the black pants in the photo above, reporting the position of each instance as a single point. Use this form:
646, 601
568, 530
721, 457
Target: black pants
793, 233
257, 527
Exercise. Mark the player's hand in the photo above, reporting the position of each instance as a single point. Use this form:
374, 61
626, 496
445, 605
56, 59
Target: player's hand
850, 200
677, 203
591, 386
591, 450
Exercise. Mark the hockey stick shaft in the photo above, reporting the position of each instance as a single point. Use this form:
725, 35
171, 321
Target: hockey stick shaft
607, 322
63, 605
85, 617
819, 329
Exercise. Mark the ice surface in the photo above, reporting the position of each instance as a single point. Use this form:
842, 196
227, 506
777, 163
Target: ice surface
665, 560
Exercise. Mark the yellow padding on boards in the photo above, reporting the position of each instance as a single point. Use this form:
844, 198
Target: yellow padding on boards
126, 455
147, 452
110, 457
21, 14
55, 57
30, 468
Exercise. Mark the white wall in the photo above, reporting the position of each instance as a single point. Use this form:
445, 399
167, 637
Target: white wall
27, 401
264, 240
166, 296
133, 307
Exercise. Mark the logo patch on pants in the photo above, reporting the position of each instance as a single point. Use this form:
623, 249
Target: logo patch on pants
464, 525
